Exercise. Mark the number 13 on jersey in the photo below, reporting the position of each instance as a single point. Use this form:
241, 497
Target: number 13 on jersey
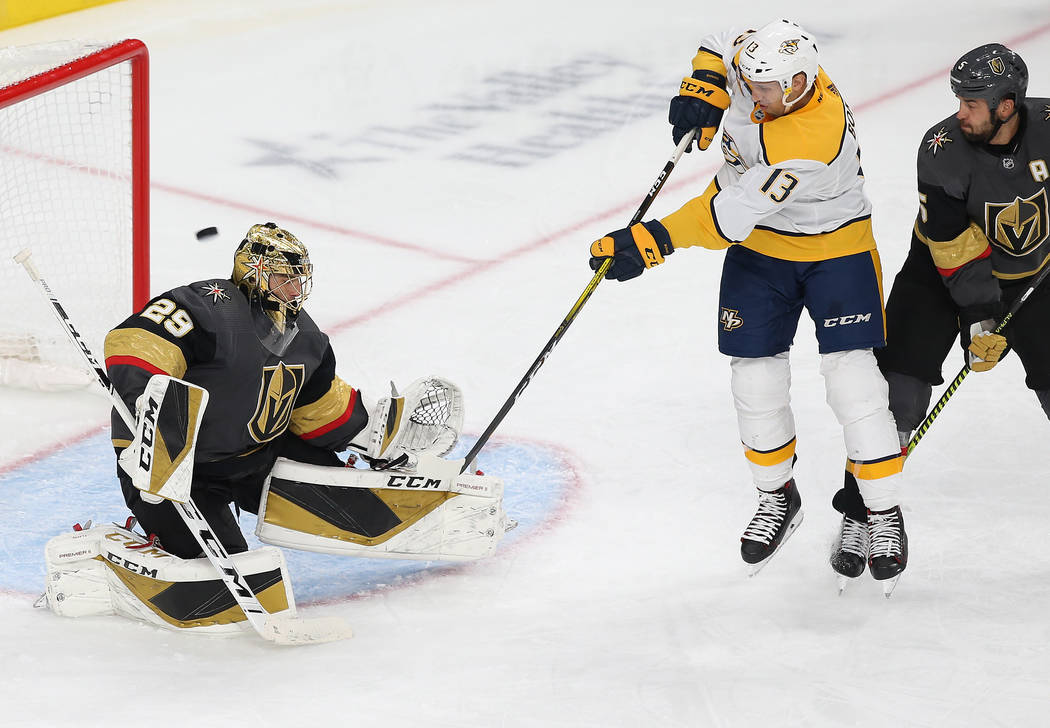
779, 185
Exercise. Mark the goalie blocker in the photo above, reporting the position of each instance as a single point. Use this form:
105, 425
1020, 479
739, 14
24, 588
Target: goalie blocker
160, 457
429, 513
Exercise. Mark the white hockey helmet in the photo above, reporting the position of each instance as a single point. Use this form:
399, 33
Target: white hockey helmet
776, 52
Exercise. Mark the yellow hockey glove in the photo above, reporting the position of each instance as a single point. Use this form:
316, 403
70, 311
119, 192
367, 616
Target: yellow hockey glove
701, 101
632, 249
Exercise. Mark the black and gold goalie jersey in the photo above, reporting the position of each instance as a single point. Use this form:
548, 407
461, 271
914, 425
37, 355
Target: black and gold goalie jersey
983, 209
204, 333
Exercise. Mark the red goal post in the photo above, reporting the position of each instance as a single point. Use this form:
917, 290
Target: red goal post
74, 189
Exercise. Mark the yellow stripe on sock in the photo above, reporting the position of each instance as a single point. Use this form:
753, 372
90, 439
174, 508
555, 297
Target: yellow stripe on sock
770, 457
875, 469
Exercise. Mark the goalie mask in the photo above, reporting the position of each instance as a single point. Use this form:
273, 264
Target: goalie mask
273, 270
777, 52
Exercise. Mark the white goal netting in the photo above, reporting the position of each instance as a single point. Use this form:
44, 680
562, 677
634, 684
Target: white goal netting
72, 152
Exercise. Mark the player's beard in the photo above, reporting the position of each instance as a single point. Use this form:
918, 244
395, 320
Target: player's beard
979, 134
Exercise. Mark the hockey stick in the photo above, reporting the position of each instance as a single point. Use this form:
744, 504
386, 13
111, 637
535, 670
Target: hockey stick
920, 432
280, 629
571, 316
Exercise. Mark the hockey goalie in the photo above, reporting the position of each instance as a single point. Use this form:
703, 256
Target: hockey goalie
236, 402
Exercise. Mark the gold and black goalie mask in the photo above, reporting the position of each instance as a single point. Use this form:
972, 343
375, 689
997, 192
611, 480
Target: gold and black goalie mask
273, 269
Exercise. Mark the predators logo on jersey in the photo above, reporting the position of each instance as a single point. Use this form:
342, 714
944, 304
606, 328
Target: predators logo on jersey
732, 153
277, 392
1019, 226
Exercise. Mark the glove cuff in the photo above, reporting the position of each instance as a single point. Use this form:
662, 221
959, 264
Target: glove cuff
705, 91
660, 236
653, 242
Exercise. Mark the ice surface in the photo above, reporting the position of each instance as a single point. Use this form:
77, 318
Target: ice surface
448, 163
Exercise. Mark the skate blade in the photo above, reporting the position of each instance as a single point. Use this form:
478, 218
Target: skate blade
889, 585
844, 581
753, 569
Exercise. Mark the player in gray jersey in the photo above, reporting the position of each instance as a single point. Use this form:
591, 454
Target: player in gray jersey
981, 234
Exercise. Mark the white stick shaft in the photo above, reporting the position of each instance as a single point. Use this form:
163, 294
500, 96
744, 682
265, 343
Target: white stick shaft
25, 258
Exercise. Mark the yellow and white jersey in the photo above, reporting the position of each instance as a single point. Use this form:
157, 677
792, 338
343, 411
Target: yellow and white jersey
791, 187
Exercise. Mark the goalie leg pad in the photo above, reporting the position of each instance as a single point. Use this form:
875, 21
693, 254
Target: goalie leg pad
111, 570
383, 515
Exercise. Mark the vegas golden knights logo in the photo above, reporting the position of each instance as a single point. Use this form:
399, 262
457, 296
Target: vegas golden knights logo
997, 66
1019, 226
277, 392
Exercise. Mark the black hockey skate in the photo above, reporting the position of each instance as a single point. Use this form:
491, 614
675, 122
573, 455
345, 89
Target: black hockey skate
779, 514
851, 551
888, 551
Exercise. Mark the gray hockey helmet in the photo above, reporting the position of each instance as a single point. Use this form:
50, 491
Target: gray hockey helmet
992, 72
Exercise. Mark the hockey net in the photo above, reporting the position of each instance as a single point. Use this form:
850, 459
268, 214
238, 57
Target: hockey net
74, 189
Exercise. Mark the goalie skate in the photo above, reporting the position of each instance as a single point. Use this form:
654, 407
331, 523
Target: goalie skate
779, 514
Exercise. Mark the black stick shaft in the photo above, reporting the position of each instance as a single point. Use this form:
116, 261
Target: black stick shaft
571, 316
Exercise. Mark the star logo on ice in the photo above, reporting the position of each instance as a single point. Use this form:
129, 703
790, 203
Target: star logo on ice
937, 141
215, 291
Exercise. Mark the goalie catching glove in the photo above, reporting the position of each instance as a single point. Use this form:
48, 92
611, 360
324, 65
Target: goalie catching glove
632, 249
426, 419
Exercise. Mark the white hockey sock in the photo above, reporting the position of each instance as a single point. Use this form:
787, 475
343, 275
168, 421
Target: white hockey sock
859, 397
761, 394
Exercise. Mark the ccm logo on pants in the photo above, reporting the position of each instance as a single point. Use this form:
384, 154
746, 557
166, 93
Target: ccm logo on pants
847, 320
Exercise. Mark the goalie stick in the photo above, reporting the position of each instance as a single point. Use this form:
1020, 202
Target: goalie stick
921, 430
575, 310
277, 628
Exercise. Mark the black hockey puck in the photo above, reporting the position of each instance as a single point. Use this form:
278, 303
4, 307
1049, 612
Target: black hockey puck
207, 232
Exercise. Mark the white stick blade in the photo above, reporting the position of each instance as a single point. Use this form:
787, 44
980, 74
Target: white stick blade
283, 630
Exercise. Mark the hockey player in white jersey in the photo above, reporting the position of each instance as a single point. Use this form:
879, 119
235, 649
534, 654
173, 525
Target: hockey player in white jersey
789, 207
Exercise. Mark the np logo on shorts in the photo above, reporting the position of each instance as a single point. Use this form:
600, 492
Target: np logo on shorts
277, 392
1017, 227
731, 319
